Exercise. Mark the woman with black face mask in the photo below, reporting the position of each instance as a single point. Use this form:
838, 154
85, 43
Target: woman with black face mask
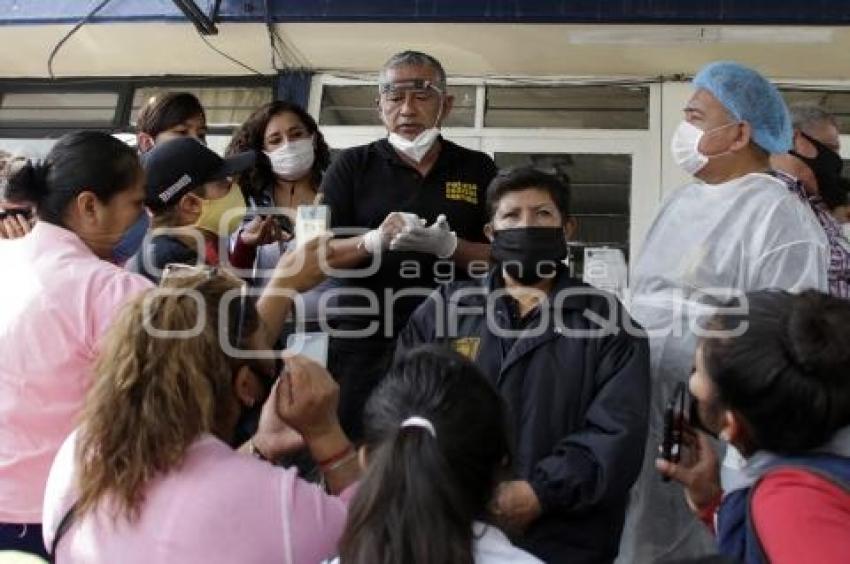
578, 389
826, 165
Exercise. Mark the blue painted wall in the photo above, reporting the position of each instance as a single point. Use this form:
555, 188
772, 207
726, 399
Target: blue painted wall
815, 12
294, 86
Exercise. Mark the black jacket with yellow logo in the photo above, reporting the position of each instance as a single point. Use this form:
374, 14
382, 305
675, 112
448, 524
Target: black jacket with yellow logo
575, 373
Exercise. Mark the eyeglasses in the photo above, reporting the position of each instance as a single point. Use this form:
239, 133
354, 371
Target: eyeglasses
422, 91
174, 270
416, 84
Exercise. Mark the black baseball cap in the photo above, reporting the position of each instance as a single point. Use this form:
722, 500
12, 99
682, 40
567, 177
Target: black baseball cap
177, 166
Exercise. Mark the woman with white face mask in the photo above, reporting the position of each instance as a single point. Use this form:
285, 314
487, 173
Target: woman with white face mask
296, 155
292, 157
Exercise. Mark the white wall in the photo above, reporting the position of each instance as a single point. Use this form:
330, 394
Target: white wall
674, 96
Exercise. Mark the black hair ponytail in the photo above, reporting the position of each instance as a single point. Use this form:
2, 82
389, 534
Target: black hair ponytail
787, 374
407, 501
28, 185
422, 491
81, 161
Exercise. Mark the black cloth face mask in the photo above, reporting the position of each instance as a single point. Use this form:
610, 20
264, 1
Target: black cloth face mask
826, 165
529, 254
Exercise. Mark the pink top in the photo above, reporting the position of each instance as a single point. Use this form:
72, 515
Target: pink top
57, 300
219, 506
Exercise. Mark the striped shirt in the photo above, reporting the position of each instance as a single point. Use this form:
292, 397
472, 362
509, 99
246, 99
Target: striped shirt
838, 270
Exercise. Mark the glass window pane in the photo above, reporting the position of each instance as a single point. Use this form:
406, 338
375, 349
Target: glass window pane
218, 143
834, 101
356, 105
573, 107
600, 194
29, 148
94, 107
225, 106
349, 105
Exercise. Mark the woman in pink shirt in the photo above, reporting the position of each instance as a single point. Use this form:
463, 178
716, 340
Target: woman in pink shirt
61, 289
150, 477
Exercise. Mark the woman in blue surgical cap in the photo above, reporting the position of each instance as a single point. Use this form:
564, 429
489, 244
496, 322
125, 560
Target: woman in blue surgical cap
734, 229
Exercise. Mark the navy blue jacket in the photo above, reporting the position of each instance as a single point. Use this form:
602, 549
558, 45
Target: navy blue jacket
156, 254
579, 402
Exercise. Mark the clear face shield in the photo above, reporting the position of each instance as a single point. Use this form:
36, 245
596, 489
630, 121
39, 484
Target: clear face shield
423, 92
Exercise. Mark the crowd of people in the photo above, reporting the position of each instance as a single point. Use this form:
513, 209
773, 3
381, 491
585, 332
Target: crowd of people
476, 402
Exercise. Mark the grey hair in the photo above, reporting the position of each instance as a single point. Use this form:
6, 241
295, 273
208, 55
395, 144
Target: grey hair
414, 59
10, 164
805, 115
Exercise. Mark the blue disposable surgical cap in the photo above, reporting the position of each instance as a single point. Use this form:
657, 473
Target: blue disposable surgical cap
750, 97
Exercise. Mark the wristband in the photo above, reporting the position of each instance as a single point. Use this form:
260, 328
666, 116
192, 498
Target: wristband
332, 460
706, 514
339, 464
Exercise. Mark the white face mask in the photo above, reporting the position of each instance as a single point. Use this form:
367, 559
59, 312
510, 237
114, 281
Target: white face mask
417, 148
685, 147
293, 160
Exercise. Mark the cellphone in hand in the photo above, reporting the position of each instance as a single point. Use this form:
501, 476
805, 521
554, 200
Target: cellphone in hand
285, 224
674, 425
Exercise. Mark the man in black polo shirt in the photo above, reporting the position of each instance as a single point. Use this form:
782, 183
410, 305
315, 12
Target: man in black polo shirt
419, 202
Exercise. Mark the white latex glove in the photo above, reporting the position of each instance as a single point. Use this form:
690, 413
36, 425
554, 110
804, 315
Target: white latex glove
379, 239
437, 239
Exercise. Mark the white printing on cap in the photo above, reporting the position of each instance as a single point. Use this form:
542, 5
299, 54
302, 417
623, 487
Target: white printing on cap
182, 182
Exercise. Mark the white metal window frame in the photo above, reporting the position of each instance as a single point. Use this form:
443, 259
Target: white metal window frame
654, 174
822, 85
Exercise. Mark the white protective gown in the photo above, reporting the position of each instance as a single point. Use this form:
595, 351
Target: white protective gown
707, 243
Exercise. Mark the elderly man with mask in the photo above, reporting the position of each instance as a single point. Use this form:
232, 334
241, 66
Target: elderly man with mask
813, 171
417, 201
571, 365
735, 229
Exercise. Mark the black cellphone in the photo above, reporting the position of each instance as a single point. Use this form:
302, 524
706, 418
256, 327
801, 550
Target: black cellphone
26, 213
284, 223
675, 419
